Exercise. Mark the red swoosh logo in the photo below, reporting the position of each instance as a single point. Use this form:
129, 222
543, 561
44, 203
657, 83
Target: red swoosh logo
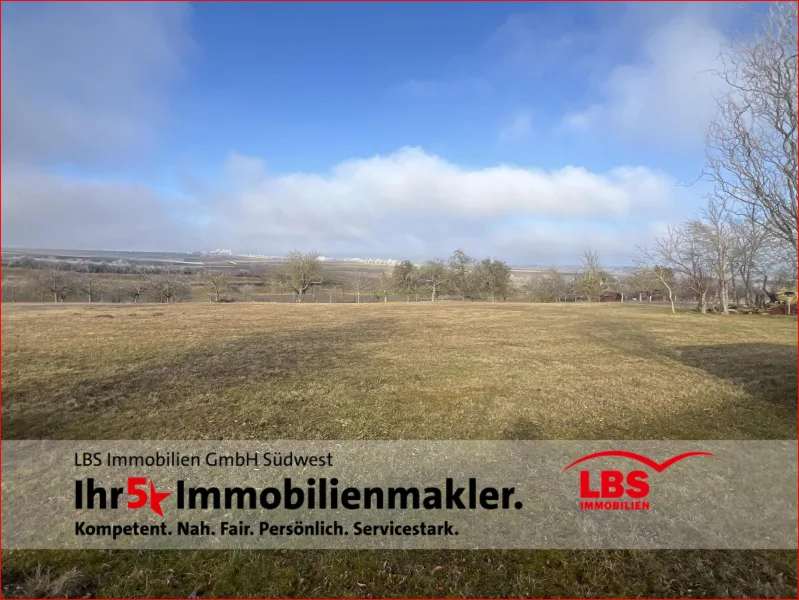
659, 467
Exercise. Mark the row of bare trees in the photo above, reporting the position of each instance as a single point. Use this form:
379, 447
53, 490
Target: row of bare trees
300, 275
722, 257
56, 285
747, 232
461, 276
588, 284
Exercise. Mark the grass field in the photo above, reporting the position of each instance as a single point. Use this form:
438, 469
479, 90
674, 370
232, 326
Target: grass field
388, 371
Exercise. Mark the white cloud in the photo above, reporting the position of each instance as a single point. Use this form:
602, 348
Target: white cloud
409, 203
667, 96
412, 181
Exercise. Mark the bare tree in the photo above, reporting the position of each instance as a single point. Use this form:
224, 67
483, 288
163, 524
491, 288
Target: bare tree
246, 291
301, 271
14, 288
545, 287
655, 268
749, 244
461, 279
776, 267
492, 278
714, 233
138, 286
89, 284
170, 285
274, 280
554, 286
56, 282
332, 290
751, 145
102, 288
435, 274
406, 278
217, 283
116, 287
382, 285
358, 281
593, 279
681, 249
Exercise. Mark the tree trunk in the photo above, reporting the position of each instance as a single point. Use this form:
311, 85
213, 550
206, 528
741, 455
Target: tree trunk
385, 298
724, 296
433, 297
358, 297
747, 289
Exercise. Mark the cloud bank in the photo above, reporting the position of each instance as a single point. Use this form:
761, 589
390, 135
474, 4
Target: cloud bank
407, 203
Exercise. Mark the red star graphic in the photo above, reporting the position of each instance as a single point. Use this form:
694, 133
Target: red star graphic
155, 499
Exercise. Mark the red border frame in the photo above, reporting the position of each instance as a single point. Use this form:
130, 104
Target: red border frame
342, 598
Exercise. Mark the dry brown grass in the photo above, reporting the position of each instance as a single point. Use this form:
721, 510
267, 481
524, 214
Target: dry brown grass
46, 582
375, 371
444, 371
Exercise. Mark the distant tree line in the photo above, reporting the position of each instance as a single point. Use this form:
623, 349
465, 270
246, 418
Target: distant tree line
88, 266
58, 285
683, 264
461, 276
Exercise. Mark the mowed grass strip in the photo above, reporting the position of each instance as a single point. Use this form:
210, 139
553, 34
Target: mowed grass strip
383, 371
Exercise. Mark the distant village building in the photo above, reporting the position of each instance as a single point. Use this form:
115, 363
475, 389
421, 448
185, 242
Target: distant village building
611, 297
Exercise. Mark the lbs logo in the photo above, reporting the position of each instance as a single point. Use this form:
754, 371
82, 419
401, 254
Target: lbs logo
619, 490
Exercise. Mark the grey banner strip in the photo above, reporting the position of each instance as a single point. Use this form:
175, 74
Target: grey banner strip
400, 494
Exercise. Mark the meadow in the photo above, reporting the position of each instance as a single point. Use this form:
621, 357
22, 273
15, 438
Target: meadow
445, 370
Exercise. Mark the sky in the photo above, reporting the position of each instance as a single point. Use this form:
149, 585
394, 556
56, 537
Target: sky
523, 132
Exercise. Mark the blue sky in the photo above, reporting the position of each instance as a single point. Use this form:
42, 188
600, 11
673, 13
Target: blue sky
522, 131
